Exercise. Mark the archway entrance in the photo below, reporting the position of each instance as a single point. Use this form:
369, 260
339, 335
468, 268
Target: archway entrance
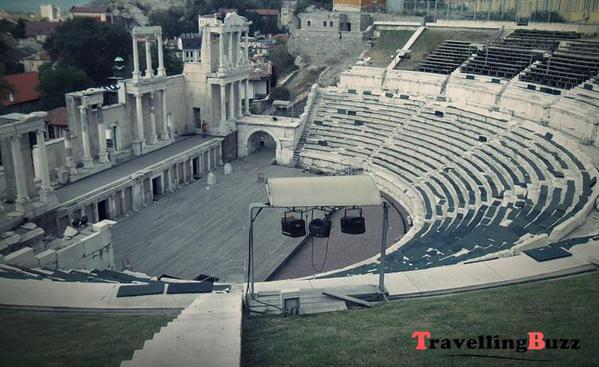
263, 142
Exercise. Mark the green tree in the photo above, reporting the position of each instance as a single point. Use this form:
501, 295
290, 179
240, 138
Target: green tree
280, 93
59, 78
19, 29
173, 21
282, 61
90, 46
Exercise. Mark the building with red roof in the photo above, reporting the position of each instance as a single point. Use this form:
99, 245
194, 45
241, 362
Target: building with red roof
101, 14
56, 123
24, 96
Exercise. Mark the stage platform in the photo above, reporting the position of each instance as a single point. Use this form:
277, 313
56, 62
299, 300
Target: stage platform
204, 229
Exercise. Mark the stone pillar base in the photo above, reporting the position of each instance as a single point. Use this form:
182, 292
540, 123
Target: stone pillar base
103, 158
88, 163
138, 147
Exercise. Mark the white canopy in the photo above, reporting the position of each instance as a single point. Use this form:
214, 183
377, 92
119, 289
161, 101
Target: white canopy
323, 191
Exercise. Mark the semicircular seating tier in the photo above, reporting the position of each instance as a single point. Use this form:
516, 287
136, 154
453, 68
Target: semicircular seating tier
475, 182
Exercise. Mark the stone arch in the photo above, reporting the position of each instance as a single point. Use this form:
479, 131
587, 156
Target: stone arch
255, 138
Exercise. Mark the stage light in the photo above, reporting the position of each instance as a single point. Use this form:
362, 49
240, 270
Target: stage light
353, 224
320, 228
83, 221
292, 226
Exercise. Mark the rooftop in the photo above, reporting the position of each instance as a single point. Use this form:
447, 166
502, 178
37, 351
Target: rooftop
41, 27
89, 9
57, 117
24, 88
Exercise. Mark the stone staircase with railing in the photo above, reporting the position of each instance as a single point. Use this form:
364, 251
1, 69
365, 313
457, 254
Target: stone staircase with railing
314, 100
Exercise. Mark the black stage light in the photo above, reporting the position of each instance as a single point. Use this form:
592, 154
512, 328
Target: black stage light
353, 224
83, 221
75, 223
292, 226
320, 228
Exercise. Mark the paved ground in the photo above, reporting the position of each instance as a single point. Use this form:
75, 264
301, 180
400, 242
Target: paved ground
203, 229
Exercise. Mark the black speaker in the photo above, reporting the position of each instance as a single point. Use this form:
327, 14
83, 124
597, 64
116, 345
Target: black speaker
320, 228
353, 224
293, 227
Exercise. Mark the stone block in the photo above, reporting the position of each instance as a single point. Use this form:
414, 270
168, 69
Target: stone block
29, 226
71, 257
34, 234
47, 259
23, 257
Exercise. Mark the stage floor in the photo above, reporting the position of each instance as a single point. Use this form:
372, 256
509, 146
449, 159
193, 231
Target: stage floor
204, 229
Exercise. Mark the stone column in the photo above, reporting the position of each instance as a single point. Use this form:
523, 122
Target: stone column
102, 154
139, 144
149, 71
123, 205
221, 53
223, 103
17, 159
231, 49
247, 46
153, 138
136, 73
247, 97
231, 101
43, 161
164, 135
161, 69
238, 48
68, 147
240, 100
209, 160
87, 158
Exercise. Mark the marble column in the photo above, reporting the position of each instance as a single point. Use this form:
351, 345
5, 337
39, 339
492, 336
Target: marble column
164, 135
149, 71
136, 73
140, 142
247, 46
209, 160
87, 158
240, 100
43, 162
238, 49
231, 101
221, 53
231, 49
153, 137
17, 159
68, 148
102, 154
161, 69
123, 204
223, 103
247, 97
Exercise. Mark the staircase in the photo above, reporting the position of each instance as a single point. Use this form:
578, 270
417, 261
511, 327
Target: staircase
206, 333
313, 107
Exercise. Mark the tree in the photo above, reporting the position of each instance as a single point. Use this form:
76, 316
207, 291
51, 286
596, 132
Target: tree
59, 78
173, 21
280, 93
282, 61
90, 46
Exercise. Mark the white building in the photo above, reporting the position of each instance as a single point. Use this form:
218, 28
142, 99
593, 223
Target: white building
50, 12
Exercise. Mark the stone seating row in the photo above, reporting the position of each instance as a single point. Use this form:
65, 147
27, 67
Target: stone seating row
478, 197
